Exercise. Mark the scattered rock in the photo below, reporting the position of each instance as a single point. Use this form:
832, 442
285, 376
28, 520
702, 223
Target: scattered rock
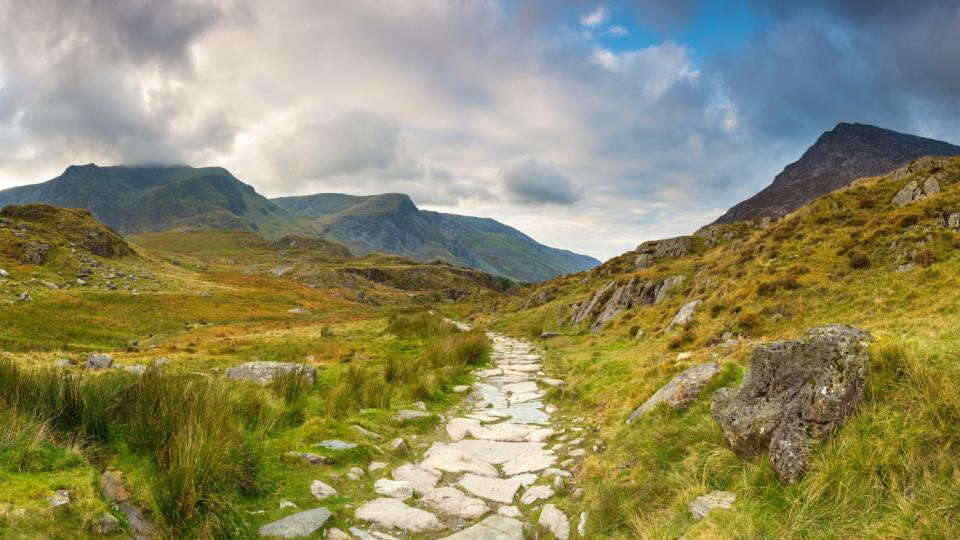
528, 463
411, 414
680, 392
548, 335
461, 388
398, 445
394, 489
106, 524
555, 521
24, 297
284, 504
264, 372
685, 314
356, 473
702, 505
509, 511
582, 526
796, 393
684, 355
376, 466
952, 221
336, 534
452, 502
393, 514
322, 490
297, 525
336, 444
60, 497
99, 361
136, 369
298, 311
4, 273
367, 433
535, 494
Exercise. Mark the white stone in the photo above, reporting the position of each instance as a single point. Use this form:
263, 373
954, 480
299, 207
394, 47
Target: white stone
376, 466
60, 497
555, 521
495, 452
493, 489
452, 502
322, 490
284, 504
582, 526
336, 534
526, 479
393, 514
509, 511
421, 479
458, 428
495, 527
535, 494
452, 460
395, 489
528, 463
460, 389
684, 355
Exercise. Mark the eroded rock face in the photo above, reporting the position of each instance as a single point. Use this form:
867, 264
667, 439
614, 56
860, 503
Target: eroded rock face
613, 298
796, 393
667, 248
681, 391
930, 178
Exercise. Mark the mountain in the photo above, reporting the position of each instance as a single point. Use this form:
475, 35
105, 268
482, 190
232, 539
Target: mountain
157, 198
392, 223
841, 155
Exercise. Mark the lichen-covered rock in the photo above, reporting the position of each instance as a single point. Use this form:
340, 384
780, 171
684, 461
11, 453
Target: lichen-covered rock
99, 361
681, 391
264, 372
702, 505
685, 314
613, 298
796, 393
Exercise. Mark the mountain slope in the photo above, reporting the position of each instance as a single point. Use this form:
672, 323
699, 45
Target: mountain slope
392, 223
847, 152
156, 198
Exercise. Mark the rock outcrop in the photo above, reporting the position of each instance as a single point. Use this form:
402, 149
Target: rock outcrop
680, 392
670, 248
929, 177
796, 393
615, 297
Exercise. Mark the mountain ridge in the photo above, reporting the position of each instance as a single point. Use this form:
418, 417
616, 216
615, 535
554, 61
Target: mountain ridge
847, 152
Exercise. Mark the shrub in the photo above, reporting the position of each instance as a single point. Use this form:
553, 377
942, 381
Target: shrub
858, 260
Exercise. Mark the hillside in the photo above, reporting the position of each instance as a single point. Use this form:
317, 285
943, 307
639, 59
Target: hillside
156, 198
880, 255
843, 154
392, 223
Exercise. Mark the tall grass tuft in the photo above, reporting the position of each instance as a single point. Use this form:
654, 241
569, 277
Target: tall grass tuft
420, 325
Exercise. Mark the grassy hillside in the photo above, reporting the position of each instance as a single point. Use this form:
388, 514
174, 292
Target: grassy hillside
850, 257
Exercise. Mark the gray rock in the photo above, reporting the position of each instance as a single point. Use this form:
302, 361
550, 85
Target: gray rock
548, 335
367, 433
60, 497
321, 490
555, 521
395, 489
702, 505
398, 445
452, 502
614, 297
495, 527
106, 524
680, 392
952, 220
336, 444
336, 534
4, 273
99, 361
668, 248
285, 504
393, 514
136, 369
411, 414
685, 314
298, 525
421, 479
796, 393
310, 457
264, 372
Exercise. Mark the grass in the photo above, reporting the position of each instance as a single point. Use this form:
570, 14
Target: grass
891, 472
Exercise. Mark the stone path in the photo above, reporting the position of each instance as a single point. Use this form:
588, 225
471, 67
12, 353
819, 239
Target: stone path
502, 463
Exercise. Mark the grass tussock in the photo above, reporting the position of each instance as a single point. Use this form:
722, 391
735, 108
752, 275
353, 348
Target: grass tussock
419, 324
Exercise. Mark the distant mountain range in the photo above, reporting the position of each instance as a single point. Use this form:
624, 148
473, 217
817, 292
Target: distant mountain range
841, 155
158, 198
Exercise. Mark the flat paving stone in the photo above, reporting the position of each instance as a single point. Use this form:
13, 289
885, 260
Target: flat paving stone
493, 489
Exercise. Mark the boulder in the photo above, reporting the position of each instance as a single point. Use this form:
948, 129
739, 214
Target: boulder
106, 524
668, 248
321, 490
685, 314
99, 361
264, 372
336, 444
298, 525
680, 392
555, 521
60, 497
796, 393
393, 514
702, 505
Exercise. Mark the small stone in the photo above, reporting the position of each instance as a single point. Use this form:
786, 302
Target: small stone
452, 502
398, 445
367, 433
61, 497
376, 466
555, 521
461, 388
702, 505
322, 490
582, 526
309, 457
685, 314
411, 414
556, 472
62, 362
298, 311
99, 361
393, 489
106, 524
284, 504
494, 489
358, 472
684, 355
535, 494
336, 444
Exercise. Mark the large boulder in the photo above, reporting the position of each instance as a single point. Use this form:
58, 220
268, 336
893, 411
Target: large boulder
796, 393
264, 372
613, 298
669, 248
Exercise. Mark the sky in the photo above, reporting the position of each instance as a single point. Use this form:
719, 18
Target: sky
591, 126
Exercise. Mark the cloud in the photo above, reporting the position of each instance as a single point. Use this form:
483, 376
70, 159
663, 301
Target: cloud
534, 180
595, 18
